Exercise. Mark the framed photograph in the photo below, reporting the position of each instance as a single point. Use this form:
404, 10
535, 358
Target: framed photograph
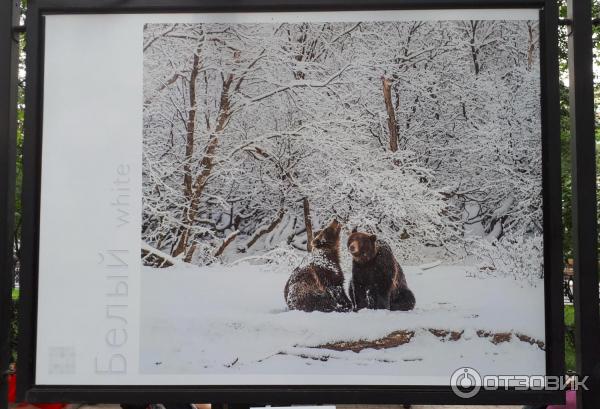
308, 202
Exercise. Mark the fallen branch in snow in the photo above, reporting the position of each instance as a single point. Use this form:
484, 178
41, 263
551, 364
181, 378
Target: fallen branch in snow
433, 264
401, 337
496, 338
500, 337
391, 340
446, 335
325, 358
529, 340
166, 260
235, 361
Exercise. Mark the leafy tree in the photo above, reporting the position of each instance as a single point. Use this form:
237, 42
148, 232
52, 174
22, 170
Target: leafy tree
565, 132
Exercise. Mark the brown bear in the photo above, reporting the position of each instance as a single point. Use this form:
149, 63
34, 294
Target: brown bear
319, 284
378, 281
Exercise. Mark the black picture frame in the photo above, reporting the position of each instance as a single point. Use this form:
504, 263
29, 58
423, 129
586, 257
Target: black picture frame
29, 391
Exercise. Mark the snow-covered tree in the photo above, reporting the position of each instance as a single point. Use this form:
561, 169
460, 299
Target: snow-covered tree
255, 135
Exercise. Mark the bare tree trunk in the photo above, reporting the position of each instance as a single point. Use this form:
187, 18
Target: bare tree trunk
206, 164
474, 51
531, 47
190, 252
389, 106
267, 229
307, 224
189, 152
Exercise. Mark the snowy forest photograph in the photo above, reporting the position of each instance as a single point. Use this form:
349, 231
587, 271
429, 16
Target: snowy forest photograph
350, 200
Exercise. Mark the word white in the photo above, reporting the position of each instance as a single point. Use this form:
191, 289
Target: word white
122, 200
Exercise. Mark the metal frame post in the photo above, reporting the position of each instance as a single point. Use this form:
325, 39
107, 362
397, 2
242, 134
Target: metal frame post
583, 158
9, 14
553, 251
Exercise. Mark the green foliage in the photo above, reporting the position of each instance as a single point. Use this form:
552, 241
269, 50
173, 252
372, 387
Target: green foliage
565, 142
14, 328
569, 315
20, 137
565, 174
569, 338
565, 133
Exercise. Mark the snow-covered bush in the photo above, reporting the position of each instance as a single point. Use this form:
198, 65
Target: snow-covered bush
516, 256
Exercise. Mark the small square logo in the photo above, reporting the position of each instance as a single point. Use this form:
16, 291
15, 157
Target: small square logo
61, 361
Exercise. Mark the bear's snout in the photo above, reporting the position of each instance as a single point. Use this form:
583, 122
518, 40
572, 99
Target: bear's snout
354, 249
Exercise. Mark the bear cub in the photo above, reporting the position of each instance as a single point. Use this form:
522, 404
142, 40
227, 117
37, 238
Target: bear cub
319, 284
378, 281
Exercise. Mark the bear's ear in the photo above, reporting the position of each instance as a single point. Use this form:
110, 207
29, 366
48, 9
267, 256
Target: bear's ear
354, 230
373, 237
335, 224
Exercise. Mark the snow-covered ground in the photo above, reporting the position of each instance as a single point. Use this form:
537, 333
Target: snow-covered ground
233, 320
